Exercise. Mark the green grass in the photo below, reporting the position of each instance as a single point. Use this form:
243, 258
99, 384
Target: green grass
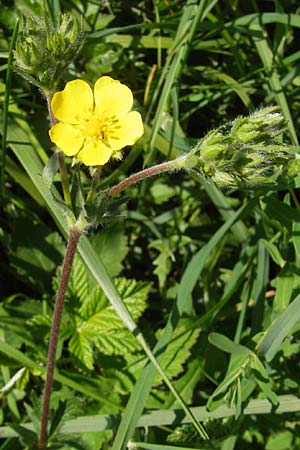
219, 325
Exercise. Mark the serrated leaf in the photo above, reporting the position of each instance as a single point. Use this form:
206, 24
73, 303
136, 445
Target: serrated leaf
163, 260
98, 325
81, 347
186, 383
40, 325
179, 349
135, 294
166, 249
78, 286
176, 354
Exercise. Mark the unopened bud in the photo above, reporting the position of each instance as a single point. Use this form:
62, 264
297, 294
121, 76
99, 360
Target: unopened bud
44, 50
246, 151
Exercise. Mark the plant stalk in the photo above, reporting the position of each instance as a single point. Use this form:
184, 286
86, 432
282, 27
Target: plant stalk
5, 107
95, 181
56, 320
168, 166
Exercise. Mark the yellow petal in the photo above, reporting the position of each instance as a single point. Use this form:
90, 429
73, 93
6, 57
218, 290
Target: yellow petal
67, 137
95, 153
131, 129
74, 104
112, 97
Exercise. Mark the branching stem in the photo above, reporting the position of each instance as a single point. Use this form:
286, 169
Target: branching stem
56, 320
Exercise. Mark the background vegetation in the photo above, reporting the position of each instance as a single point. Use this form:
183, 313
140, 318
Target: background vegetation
210, 276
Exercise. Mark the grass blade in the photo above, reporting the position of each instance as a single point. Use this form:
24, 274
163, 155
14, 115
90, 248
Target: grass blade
270, 343
5, 106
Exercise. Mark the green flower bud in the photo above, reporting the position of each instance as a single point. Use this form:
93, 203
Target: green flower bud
293, 169
44, 50
245, 151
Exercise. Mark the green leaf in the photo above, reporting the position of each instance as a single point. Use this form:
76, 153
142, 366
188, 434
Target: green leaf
286, 282
78, 287
27, 436
281, 212
221, 391
178, 350
36, 251
96, 323
161, 192
280, 441
50, 170
273, 252
296, 236
147, 446
262, 379
80, 347
188, 381
226, 345
164, 260
275, 334
111, 246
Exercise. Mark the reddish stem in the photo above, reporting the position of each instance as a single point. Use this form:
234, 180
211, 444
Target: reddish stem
57, 315
168, 166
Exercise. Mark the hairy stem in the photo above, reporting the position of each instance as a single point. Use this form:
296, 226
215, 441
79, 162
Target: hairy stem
56, 320
168, 166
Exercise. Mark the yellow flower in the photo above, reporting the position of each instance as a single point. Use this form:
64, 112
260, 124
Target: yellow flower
93, 126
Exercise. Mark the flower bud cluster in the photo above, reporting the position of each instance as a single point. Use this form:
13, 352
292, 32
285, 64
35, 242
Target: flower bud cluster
44, 50
246, 151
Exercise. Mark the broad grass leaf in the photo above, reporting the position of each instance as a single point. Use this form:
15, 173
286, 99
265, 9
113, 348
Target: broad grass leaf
224, 343
28, 437
280, 328
111, 245
50, 170
280, 212
273, 252
287, 283
296, 236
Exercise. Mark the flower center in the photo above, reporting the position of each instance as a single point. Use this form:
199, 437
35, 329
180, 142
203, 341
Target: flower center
101, 128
